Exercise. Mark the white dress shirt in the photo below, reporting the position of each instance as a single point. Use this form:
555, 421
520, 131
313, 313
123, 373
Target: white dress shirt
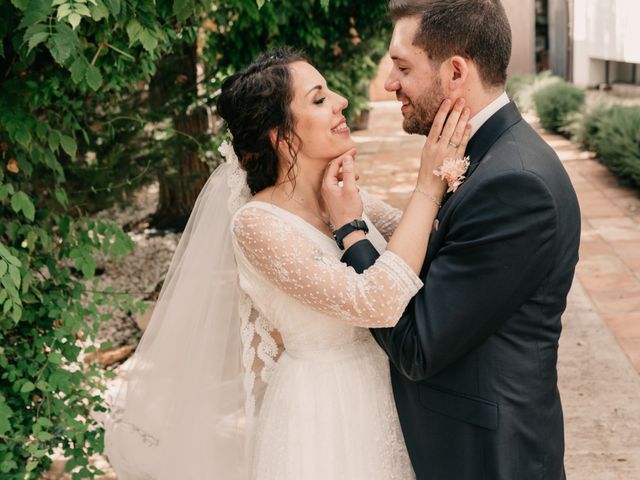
483, 115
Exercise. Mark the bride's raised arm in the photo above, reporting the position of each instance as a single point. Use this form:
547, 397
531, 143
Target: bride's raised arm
285, 255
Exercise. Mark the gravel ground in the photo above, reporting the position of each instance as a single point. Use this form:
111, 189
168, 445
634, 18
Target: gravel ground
139, 274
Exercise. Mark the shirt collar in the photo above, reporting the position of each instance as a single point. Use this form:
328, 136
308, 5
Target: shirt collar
487, 112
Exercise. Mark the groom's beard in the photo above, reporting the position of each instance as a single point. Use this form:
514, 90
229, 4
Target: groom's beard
420, 119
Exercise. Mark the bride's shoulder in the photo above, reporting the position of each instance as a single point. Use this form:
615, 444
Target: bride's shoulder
265, 195
257, 216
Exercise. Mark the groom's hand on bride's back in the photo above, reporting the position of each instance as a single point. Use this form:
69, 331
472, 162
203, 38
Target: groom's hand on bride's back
343, 202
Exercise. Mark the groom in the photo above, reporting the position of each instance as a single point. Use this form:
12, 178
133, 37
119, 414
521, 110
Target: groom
473, 358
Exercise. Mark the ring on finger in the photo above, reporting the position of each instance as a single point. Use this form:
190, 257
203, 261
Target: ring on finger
451, 144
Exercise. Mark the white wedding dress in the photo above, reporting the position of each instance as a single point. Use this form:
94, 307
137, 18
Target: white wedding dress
327, 411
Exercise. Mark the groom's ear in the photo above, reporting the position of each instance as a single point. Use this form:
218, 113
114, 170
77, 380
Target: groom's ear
456, 72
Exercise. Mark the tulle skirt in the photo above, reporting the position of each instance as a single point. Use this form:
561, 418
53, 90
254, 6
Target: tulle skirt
330, 415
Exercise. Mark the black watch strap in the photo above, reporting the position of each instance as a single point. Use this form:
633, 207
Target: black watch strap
345, 230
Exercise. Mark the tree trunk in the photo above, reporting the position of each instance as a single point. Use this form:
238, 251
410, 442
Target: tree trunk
179, 190
172, 90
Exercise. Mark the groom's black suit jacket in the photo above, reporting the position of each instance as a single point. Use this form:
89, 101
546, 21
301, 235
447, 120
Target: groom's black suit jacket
473, 358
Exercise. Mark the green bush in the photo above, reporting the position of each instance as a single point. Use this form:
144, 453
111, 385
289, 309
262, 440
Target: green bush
64, 64
583, 127
616, 141
522, 88
613, 133
556, 102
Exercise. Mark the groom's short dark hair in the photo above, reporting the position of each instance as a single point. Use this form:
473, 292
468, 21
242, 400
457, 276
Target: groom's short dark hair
476, 29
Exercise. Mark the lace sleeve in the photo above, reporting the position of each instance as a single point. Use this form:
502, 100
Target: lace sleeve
287, 256
384, 216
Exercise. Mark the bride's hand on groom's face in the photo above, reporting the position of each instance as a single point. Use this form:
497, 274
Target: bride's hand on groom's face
447, 138
343, 202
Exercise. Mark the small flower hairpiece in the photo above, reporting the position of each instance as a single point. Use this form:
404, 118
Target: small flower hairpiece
453, 172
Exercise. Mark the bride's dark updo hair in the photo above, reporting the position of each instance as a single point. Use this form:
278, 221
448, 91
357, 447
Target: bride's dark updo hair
253, 102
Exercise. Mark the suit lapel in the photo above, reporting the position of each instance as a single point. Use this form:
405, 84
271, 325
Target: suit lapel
489, 132
478, 147
486, 136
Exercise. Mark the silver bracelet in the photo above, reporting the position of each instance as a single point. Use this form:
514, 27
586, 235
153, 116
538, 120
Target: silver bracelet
429, 196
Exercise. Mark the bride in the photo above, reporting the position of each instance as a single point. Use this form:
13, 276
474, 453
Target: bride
257, 362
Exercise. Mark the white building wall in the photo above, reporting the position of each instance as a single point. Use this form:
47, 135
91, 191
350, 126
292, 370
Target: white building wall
521, 15
604, 30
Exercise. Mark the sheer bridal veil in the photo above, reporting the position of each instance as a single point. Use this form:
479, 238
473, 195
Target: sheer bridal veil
185, 406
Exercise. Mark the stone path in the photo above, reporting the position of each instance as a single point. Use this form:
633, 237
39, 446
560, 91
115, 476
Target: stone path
601, 340
609, 268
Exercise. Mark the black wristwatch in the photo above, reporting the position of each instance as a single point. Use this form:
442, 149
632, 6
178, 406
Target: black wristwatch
345, 230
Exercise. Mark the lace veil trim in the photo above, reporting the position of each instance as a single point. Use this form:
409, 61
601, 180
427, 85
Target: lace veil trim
257, 341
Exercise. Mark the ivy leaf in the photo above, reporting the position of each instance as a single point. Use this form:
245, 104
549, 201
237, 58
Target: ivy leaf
5, 414
36, 11
14, 274
82, 10
63, 11
36, 40
42, 385
94, 77
44, 436
61, 196
78, 69
23, 137
44, 422
63, 43
33, 29
8, 304
74, 19
68, 145
27, 387
20, 4
99, 11
113, 6
55, 358
20, 202
148, 40
5, 191
6, 254
84, 261
13, 293
183, 9
134, 29
41, 130
16, 314
54, 140
7, 466
4, 267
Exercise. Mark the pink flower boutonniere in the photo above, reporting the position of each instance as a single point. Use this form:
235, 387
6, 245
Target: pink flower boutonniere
453, 172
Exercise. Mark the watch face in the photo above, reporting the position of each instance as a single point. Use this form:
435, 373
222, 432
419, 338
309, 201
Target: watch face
361, 225
352, 226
